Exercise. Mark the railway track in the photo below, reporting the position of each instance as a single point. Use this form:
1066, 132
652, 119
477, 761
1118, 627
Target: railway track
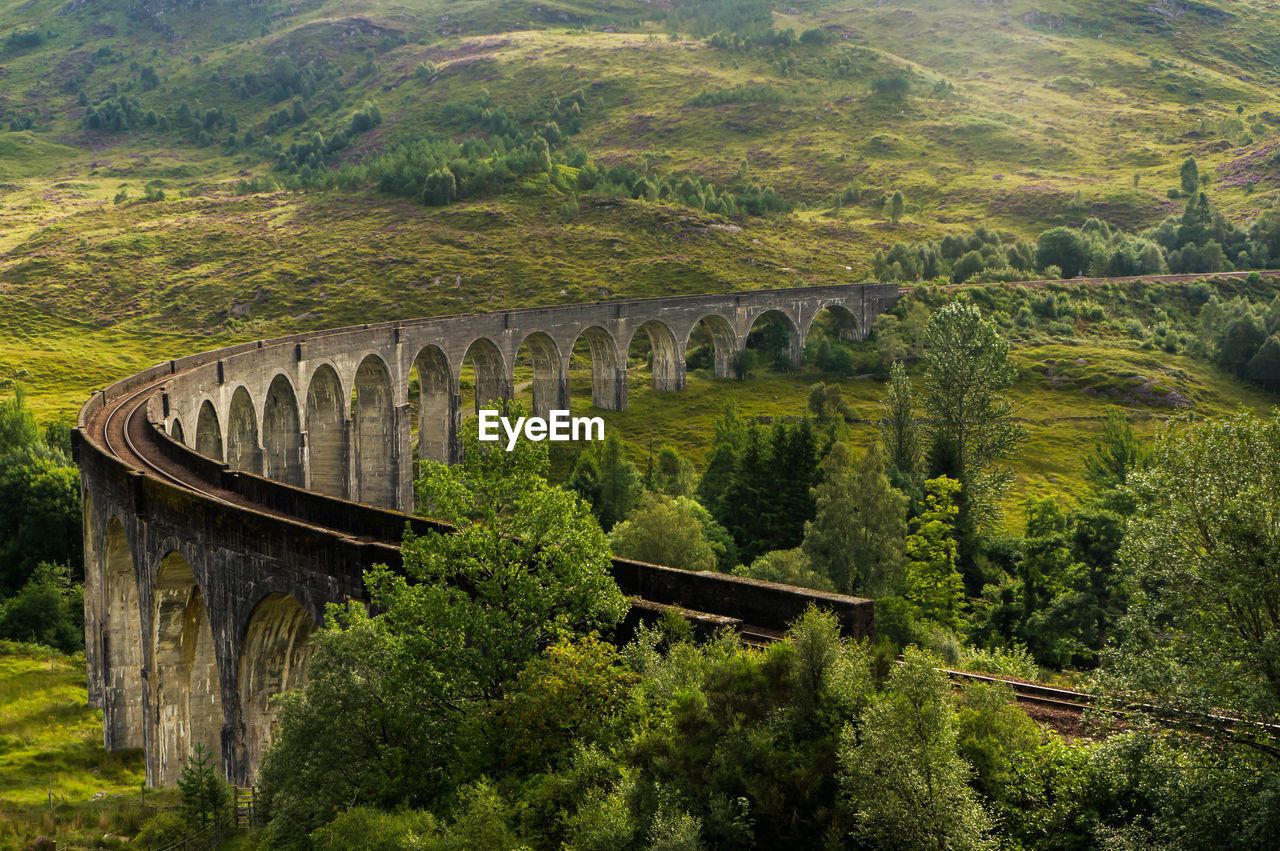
1030, 693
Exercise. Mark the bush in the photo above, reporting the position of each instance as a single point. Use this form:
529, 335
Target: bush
374, 830
1015, 662
49, 610
162, 830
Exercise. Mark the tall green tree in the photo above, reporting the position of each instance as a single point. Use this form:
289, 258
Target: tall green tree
898, 430
608, 482
1203, 629
905, 782
727, 440
935, 589
858, 535
967, 374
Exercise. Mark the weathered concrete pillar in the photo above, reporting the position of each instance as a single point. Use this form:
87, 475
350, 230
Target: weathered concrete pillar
402, 464
796, 355
619, 399
454, 438
304, 456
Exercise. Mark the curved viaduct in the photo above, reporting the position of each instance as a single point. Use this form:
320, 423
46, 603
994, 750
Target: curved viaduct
229, 496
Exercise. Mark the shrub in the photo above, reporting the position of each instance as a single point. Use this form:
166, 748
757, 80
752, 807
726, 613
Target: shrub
1015, 662
374, 830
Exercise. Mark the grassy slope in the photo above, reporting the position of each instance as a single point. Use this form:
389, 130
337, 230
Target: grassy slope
1041, 106
50, 741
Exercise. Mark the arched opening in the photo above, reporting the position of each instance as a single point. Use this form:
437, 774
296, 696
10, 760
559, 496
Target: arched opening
484, 374
538, 363
282, 433
773, 342
273, 659
188, 697
654, 348
208, 432
175, 430
327, 433
373, 426
827, 340
595, 348
431, 407
242, 434
712, 346
121, 643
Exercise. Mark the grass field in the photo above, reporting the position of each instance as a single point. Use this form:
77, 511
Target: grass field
55, 778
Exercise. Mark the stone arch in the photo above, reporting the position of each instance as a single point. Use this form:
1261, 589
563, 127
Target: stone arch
793, 344
549, 391
274, 650
374, 436
208, 432
717, 332
243, 452
282, 433
490, 372
175, 431
433, 406
608, 378
187, 696
837, 319
121, 642
327, 432
664, 350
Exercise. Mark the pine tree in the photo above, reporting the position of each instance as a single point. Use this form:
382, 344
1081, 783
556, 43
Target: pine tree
204, 795
741, 506
619, 483
730, 435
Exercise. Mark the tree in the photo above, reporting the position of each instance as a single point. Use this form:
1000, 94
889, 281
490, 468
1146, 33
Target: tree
39, 497
1116, 454
1065, 248
619, 483
1204, 624
1190, 176
1264, 367
827, 404
441, 188
390, 709
905, 781
205, 796
858, 534
898, 429
896, 206
48, 610
967, 371
790, 567
672, 474
730, 434
665, 530
934, 586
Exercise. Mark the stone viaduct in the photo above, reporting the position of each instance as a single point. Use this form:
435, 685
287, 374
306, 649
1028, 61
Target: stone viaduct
230, 496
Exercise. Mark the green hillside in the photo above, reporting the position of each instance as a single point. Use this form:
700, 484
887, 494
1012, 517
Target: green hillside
174, 178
